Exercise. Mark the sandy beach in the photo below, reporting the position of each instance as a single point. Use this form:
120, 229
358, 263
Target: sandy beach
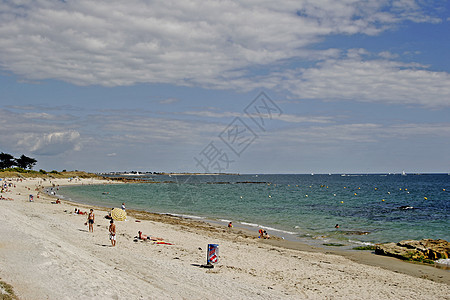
46, 252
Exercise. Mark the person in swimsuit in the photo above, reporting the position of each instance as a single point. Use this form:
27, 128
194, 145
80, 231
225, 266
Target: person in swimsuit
148, 238
261, 233
90, 220
112, 232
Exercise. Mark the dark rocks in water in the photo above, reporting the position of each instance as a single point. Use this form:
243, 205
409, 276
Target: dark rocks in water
369, 247
355, 232
426, 250
237, 182
254, 182
405, 207
241, 182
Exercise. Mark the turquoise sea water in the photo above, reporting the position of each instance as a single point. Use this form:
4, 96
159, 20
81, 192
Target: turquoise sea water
299, 207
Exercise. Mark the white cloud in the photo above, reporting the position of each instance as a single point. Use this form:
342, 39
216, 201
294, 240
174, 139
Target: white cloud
354, 147
35, 133
53, 143
387, 55
411, 10
46, 107
212, 114
130, 130
288, 118
356, 134
169, 101
47, 116
375, 80
184, 43
414, 130
166, 142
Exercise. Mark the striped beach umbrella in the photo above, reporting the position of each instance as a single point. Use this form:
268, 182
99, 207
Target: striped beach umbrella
118, 214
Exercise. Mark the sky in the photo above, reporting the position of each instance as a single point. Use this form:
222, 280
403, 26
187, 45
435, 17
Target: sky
306, 86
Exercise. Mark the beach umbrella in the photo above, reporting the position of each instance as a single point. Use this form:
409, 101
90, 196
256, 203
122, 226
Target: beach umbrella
118, 214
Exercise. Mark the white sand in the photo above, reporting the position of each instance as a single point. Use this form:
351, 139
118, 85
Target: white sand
47, 253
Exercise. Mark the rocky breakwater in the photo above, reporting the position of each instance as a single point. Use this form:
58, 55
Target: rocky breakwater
427, 250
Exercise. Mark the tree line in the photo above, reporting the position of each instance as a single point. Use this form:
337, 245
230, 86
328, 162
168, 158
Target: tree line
9, 161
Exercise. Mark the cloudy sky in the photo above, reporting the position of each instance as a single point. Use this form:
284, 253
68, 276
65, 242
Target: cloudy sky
323, 86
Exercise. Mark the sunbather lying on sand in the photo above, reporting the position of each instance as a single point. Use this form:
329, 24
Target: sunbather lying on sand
108, 216
148, 238
79, 212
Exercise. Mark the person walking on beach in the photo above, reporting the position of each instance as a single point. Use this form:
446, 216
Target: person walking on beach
90, 220
112, 232
123, 206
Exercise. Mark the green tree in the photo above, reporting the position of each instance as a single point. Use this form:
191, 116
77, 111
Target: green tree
25, 162
6, 160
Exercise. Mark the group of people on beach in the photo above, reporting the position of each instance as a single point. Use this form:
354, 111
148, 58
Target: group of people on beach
112, 227
5, 188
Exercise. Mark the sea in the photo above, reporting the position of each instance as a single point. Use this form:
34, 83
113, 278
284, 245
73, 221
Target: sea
369, 208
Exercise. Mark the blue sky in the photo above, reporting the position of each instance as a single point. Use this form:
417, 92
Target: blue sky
347, 86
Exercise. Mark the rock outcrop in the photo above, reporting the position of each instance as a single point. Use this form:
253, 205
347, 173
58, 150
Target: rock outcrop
426, 250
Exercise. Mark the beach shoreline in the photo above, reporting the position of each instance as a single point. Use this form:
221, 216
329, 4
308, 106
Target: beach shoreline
267, 267
284, 240
298, 207
416, 269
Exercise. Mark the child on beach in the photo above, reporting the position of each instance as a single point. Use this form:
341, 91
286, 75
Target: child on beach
263, 234
112, 232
